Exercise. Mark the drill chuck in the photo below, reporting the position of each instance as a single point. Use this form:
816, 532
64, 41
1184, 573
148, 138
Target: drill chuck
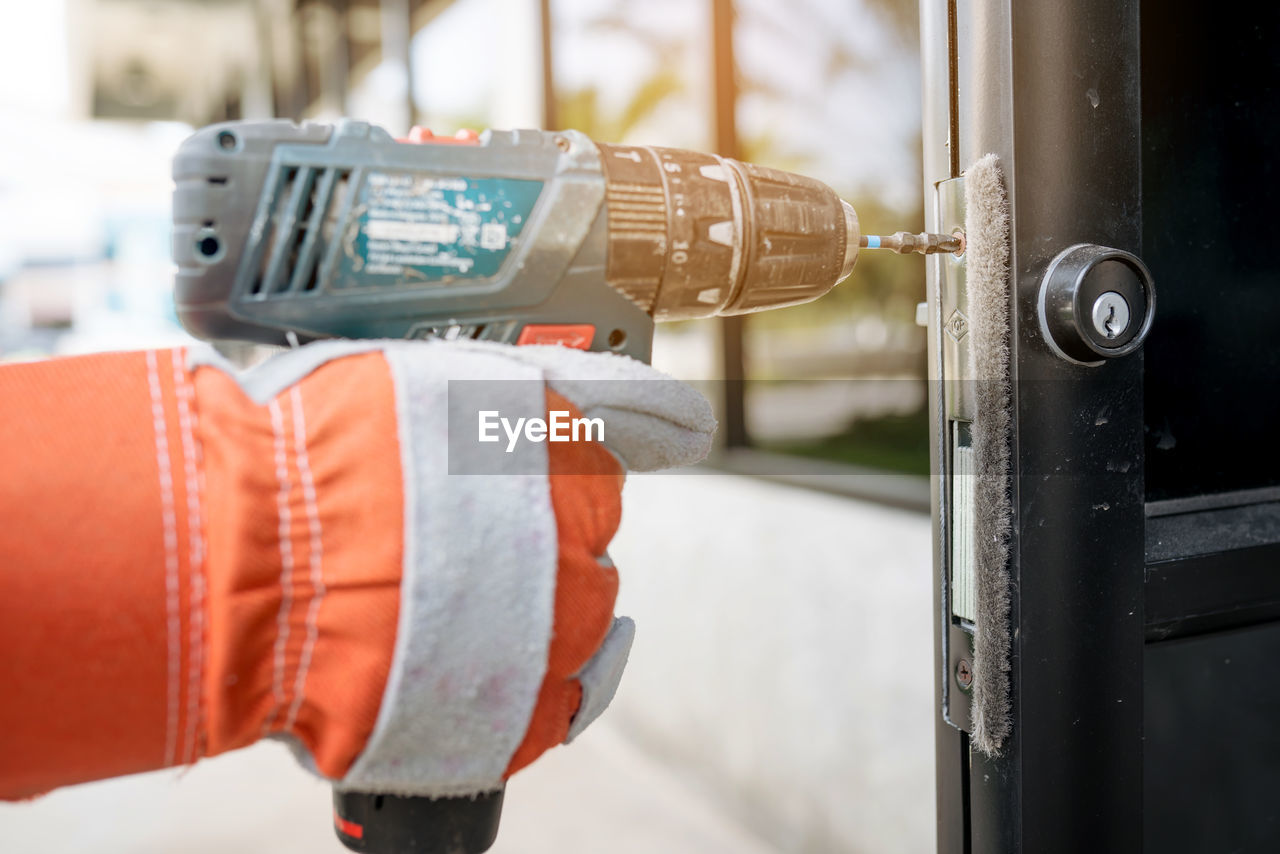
696, 235
852, 240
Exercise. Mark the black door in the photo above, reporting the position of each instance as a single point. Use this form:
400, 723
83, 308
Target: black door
1144, 553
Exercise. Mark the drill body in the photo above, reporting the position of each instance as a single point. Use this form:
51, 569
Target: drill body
516, 236
286, 233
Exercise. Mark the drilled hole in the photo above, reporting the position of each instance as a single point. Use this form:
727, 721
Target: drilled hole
617, 339
227, 141
209, 246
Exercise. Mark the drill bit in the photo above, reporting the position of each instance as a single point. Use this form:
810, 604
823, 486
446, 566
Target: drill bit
904, 243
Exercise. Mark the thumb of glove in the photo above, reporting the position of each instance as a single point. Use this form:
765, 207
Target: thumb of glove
652, 421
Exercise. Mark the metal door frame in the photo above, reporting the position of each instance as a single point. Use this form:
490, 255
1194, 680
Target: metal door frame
1052, 89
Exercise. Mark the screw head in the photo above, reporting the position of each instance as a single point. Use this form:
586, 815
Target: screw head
964, 673
1110, 315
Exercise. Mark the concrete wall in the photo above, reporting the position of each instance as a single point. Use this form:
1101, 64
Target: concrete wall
783, 657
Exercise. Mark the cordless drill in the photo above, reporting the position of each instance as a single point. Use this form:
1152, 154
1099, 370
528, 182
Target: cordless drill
285, 233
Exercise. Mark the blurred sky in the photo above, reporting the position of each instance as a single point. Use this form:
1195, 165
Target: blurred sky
33, 57
854, 125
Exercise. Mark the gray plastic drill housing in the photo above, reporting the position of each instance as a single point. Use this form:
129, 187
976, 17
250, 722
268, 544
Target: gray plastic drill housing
232, 214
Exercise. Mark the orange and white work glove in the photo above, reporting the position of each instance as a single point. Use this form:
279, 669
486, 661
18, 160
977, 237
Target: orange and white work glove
321, 549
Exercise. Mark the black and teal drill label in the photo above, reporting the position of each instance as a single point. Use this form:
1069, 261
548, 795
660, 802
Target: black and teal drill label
431, 228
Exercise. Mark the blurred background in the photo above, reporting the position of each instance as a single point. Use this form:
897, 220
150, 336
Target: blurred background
780, 693
96, 94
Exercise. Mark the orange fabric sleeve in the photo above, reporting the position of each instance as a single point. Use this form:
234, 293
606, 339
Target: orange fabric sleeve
306, 525
183, 571
87, 643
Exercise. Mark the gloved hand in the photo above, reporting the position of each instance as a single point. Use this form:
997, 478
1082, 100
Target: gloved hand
321, 549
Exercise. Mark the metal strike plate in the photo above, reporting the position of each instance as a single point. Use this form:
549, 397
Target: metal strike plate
954, 337
957, 391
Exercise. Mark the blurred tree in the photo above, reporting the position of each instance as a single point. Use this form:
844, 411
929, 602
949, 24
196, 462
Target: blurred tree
887, 286
580, 108
803, 19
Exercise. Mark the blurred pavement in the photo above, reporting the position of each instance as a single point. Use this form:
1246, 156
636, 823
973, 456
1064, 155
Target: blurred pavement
603, 795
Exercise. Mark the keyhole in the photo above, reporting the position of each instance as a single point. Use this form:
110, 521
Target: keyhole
1110, 316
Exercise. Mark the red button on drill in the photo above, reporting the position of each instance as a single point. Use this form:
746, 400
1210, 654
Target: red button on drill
576, 335
347, 828
423, 135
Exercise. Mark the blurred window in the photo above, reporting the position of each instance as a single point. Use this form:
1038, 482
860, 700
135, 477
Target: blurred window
830, 89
